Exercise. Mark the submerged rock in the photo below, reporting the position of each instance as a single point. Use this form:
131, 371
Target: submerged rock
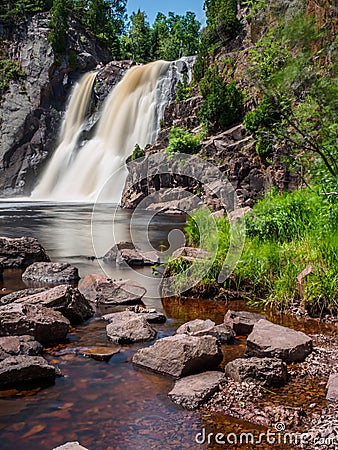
180, 355
190, 392
242, 322
332, 388
22, 371
264, 371
127, 253
19, 345
21, 252
102, 353
45, 324
270, 340
64, 298
128, 327
51, 272
102, 290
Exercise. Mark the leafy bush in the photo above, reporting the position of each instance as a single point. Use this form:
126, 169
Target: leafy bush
137, 153
183, 89
182, 141
9, 70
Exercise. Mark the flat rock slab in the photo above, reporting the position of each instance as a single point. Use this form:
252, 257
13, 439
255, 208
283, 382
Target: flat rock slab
180, 355
242, 322
70, 446
21, 252
128, 327
127, 253
51, 272
264, 371
101, 290
332, 388
22, 371
195, 325
65, 299
274, 341
190, 392
151, 315
19, 345
45, 324
223, 333
16, 295
100, 353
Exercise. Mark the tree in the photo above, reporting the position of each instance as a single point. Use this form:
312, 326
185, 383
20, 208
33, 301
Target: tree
59, 24
138, 40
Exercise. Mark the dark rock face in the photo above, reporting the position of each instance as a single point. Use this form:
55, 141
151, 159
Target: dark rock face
21, 252
51, 272
65, 299
180, 355
126, 253
19, 371
16, 295
19, 345
43, 323
265, 371
190, 392
242, 322
332, 388
274, 341
128, 327
100, 289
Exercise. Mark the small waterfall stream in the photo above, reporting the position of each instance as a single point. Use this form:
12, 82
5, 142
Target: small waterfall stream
130, 115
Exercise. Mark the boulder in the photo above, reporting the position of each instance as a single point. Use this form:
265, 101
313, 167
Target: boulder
19, 345
21, 252
22, 371
102, 290
190, 392
274, 341
16, 295
151, 315
45, 324
64, 298
102, 353
195, 325
332, 388
191, 254
223, 333
51, 272
127, 327
126, 252
242, 322
264, 371
70, 446
180, 355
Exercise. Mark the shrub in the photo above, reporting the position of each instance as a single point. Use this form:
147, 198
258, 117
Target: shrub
137, 153
182, 141
9, 70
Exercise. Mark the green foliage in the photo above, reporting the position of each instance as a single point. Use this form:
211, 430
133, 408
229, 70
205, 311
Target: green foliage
11, 12
59, 25
183, 89
138, 152
222, 106
9, 70
182, 141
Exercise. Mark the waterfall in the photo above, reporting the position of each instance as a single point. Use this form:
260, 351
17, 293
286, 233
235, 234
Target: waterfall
131, 115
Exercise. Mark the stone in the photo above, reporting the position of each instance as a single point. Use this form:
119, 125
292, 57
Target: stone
16, 295
51, 272
195, 325
102, 353
64, 298
180, 355
190, 392
19, 345
242, 322
191, 254
22, 371
274, 341
102, 290
127, 253
151, 315
128, 327
238, 213
70, 446
264, 371
45, 324
21, 252
223, 333
332, 388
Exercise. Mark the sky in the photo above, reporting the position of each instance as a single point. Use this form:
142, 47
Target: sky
152, 7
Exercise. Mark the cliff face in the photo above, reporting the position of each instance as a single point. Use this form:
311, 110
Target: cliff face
31, 111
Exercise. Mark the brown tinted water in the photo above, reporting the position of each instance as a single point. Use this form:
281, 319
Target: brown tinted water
112, 405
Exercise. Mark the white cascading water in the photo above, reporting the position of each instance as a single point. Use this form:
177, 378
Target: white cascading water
131, 115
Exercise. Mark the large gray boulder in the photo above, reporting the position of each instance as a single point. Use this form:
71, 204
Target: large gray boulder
242, 322
150, 314
101, 290
21, 252
127, 253
21, 371
45, 324
223, 333
70, 446
264, 371
180, 355
19, 345
195, 325
127, 327
332, 388
274, 341
65, 299
51, 272
190, 392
